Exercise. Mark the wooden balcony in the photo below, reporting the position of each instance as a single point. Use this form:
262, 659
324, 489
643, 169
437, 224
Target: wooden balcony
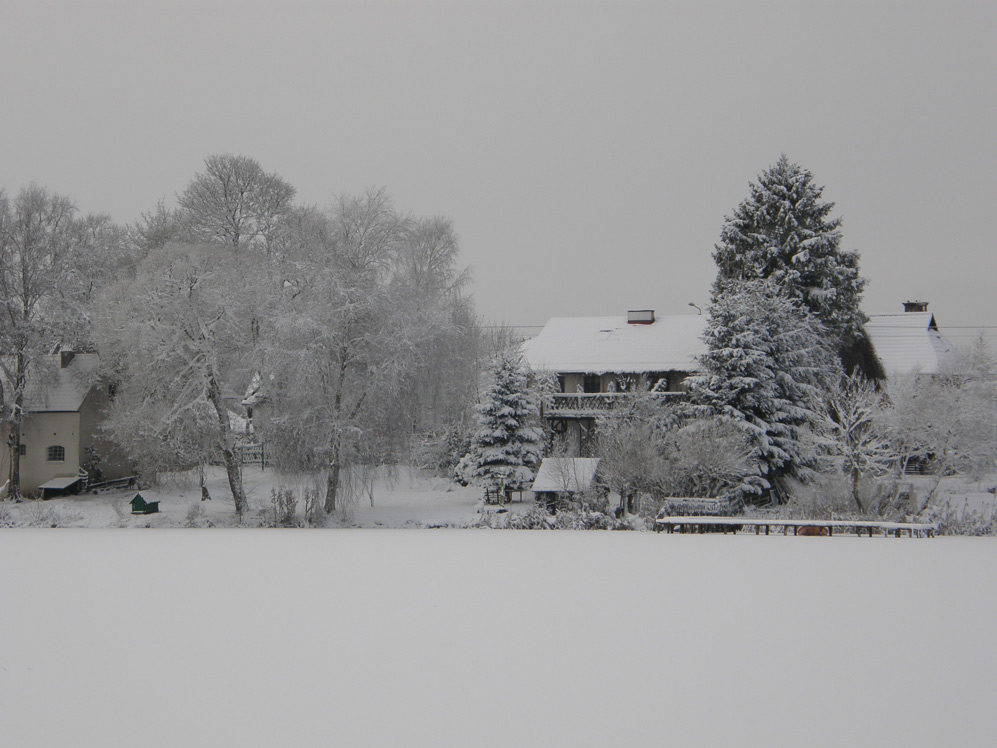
590, 405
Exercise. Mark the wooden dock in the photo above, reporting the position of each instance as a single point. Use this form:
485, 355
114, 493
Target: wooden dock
797, 526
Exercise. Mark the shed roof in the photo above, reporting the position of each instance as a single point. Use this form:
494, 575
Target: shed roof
58, 484
908, 342
567, 474
597, 345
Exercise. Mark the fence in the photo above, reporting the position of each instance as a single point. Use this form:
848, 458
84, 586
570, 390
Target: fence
251, 454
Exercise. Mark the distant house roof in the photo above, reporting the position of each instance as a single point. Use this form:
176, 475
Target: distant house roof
907, 342
54, 388
597, 345
565, 474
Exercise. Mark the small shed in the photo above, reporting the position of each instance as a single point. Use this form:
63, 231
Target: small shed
59, 486
141, 506
564, 477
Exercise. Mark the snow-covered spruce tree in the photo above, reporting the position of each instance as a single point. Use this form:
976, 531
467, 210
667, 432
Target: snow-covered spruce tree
784, 232
767, 368
508, 443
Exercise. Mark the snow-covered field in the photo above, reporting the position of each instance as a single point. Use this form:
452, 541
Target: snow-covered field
402, 498
493, 638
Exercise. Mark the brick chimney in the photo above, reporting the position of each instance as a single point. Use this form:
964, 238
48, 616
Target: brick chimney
915, 306
640, 317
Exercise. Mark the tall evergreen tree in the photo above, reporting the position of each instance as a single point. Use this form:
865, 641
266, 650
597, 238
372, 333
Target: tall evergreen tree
767, 368
783, 231
507, 444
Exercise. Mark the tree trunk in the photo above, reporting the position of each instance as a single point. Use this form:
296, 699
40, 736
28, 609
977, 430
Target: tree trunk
855, 490
17, 417
941, 467
234, 480
336, 444
228, 452
332, 484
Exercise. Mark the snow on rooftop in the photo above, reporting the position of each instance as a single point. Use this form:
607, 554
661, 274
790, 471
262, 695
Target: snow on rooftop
907, 342
596, 345
54, 388
569, 474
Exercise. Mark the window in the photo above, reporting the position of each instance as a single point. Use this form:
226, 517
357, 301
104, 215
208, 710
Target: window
592, 383
56, 454
22, 449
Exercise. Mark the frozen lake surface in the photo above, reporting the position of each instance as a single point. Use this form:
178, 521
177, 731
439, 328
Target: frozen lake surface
493, 638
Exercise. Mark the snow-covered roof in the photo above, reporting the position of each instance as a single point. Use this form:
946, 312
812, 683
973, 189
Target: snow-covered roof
907, 342
58, 484
55, 388
597, 345
565, 474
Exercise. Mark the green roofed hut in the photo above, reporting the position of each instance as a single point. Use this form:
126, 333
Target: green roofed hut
141, 506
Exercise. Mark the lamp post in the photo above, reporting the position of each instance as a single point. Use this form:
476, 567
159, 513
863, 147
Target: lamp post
698, 310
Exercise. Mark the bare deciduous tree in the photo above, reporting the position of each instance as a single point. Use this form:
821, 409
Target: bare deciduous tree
948, 418
858, 443
37, 241
174, 338
236, 202
342, 339
709, 458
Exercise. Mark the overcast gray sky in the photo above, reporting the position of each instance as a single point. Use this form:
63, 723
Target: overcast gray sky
587, 152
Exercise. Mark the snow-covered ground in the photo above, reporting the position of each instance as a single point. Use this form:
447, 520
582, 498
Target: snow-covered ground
401, 498
260, 637
493, 638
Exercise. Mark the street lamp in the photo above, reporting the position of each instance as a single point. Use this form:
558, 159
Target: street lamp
696, 307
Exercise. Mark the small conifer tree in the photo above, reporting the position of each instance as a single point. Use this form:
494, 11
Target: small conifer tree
507, 445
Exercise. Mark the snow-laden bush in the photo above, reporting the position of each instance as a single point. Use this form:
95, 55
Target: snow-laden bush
279, 511
831, 496
955, 521
539, 518
36, 514
442, 452
195, 516
6, 516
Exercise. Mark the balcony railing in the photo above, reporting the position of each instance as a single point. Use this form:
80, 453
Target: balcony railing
586, 403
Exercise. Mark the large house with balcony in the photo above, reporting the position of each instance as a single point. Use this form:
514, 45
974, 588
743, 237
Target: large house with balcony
596, 360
